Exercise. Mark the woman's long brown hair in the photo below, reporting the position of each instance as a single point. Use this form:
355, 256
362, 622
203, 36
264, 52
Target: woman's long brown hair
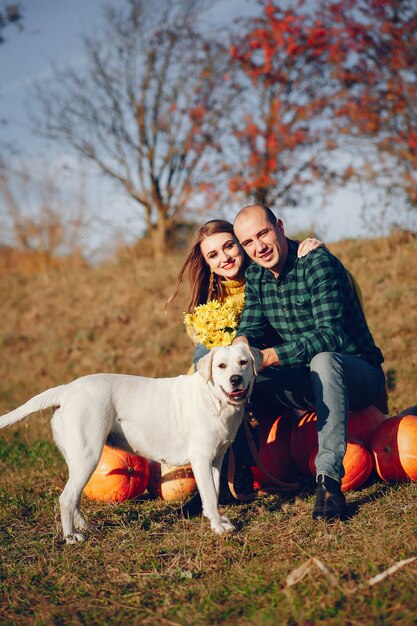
198, 270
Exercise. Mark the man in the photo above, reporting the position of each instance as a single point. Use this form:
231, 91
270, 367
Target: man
325, 357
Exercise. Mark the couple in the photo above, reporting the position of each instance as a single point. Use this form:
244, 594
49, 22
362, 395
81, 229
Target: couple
323, 356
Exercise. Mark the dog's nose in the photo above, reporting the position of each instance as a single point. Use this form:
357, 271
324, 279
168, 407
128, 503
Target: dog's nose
236, 380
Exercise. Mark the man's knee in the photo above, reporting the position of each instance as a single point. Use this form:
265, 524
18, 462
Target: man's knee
327, 363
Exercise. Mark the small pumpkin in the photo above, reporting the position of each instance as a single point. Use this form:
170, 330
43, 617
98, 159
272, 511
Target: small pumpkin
394, 448
119, 476
274, 450
304, 440
362, 424
357, 464
171, 482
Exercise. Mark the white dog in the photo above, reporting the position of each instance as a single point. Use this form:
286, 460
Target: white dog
186, 419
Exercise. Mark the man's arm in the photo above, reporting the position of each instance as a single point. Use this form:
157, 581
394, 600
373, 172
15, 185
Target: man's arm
252, 323
324, 287
240, 339
324, 291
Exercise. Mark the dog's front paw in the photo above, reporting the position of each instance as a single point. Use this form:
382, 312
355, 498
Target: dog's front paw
80, 523
83, 525
74, 538
226, 523
222, 525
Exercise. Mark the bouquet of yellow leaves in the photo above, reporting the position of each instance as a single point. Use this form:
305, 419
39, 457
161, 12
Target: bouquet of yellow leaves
214, 323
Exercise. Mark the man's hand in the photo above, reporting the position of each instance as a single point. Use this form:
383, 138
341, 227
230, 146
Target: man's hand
270, 358
240, 339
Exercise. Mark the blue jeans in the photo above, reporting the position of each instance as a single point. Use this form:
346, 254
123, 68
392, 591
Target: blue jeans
332, 385
199, 352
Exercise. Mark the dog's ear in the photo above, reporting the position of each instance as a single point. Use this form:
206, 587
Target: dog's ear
257, 359
205, 364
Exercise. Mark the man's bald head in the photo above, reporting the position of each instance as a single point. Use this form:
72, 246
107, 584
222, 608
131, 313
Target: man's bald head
250, 208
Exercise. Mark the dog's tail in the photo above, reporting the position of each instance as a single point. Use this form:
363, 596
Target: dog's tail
44, 400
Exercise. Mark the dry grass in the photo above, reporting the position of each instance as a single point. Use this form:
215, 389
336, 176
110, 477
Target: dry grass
143, 564
386, 274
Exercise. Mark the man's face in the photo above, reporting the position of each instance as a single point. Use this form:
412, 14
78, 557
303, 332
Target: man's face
263, 242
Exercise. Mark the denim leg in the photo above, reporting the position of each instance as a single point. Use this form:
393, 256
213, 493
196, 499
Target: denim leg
332, 385
283, 387
340, 383
199, 352
332, 407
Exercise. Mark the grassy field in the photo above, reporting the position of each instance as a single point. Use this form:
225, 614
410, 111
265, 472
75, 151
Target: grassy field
142, 563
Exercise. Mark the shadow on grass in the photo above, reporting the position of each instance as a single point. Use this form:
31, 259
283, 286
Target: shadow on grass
273, 502
240, 511
379, 492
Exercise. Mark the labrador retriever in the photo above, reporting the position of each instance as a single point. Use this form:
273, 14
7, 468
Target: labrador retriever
186, 419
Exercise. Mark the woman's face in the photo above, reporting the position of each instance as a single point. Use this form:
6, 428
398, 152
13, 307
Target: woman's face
223, 255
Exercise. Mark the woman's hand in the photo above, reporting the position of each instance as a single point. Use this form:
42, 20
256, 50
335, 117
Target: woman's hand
309, 244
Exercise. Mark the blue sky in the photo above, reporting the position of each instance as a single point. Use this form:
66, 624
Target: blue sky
51, 34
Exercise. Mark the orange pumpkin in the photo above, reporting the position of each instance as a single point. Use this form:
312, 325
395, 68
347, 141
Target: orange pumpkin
394, 447
119, 476
303, 441
357, 464
170, 482
363, 423
274, 450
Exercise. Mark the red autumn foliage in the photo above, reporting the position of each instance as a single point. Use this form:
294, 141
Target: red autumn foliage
281, 54
327, 75
372, 55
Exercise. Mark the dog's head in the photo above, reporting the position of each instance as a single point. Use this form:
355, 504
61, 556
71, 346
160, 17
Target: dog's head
231, 371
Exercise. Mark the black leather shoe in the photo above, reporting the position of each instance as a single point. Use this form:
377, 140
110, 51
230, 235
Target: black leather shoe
330, 501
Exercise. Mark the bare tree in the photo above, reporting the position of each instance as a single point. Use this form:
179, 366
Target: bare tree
38, 215
148, 107
10, 14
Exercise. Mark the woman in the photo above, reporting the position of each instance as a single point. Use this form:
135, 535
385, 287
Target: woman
216, 266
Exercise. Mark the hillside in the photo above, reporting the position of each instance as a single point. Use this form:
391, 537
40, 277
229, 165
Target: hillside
76, 320
143, 563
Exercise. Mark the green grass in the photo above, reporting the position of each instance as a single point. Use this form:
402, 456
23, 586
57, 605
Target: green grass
142, 563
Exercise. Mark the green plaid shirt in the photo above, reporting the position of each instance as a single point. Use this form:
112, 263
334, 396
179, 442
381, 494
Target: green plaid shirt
310, 305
